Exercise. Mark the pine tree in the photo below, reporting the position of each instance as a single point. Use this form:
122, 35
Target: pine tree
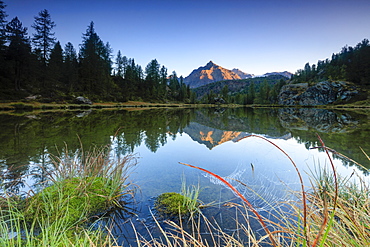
163, 82
43, 39
224, 93
182, 90
152, 80
56, 67
18, 53
263, 94
211, 97
3, 69
251, 93
70, 75
3, 16
174, 86
119, 65
107, 57
133, 81
95, 64
183, 94
192, 97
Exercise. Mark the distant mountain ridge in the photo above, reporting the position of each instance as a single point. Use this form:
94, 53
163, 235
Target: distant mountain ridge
242, 74
208, 74
212, 72
285, 73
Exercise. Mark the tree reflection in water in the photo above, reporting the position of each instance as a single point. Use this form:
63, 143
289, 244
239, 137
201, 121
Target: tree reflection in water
28, 138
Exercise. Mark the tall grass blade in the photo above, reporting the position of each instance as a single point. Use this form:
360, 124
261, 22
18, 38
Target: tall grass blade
304, 199
367, 156
242, 197
324, 237
325, 204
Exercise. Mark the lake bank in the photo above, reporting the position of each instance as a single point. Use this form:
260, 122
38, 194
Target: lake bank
31, 106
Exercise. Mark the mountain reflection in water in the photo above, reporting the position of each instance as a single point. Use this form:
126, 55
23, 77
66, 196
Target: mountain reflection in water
213, 138
28, 138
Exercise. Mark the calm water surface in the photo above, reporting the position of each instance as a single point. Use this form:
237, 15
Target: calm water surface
212, 138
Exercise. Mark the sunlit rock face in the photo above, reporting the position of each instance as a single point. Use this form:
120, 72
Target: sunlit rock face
242, 74
208, 74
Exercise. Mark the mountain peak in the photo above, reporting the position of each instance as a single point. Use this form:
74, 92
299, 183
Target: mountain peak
208, 74
210, 64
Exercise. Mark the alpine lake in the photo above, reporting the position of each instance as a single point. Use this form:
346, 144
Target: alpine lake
224, 141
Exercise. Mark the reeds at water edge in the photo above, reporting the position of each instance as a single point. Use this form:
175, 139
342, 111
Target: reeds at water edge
330, 211
81, 187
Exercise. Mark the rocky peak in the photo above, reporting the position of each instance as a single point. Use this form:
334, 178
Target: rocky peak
210, 64
209, 73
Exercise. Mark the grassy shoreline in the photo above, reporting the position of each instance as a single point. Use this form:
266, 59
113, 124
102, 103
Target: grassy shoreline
31, 106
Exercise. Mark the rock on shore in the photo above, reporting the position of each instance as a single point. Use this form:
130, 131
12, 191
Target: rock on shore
321, 93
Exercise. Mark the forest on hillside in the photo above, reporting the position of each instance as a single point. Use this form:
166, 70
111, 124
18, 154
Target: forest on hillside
39, 66
350, 64
258, 90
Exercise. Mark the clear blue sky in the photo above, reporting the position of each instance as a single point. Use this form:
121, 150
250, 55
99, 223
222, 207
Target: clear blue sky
255, 36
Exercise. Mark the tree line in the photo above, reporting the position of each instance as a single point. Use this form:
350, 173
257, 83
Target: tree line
259, 90
351, 64
40, 66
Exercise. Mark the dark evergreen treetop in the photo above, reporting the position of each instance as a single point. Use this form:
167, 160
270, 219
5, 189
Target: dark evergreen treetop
3, 16
56, 66
56, 54
16, 32
70, 53
92, 46
152, 71
119, 64
70, 68
44, 39
18, 52
95, 63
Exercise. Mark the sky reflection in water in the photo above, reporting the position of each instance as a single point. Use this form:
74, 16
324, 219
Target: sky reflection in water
213, 139
260, 171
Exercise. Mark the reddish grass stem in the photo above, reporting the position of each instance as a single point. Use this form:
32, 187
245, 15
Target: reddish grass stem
332, 166
241, 196
302, 187
300, 179
336, 192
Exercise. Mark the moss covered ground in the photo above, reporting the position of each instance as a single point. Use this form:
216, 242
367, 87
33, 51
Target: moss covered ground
73, 200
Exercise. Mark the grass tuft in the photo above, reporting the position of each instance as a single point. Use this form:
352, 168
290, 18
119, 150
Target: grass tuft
82, 185
184, 204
